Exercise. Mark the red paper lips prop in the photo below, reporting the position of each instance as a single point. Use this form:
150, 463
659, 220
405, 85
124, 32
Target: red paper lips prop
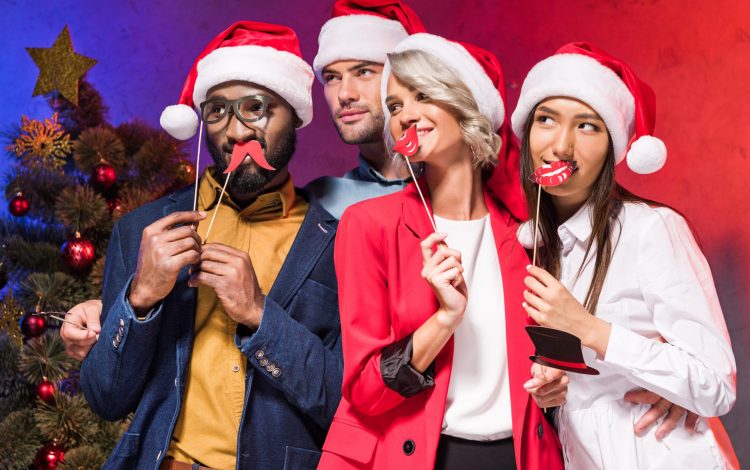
408, 144
554, 174
251, 148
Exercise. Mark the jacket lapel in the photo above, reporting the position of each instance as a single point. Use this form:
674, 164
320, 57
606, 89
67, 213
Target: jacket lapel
414, 215
315, 234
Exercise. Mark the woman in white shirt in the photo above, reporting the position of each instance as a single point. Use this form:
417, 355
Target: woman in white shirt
622, 273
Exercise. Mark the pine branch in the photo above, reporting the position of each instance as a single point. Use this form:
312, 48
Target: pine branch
41, 187
54, 291
109, 432
27, 256
82, 209
156, 160
67, 419
44, 356
20, 441
90, 112
83, 458
97, 274
99, 145
15, 392
133, 197
29, 229
134, 134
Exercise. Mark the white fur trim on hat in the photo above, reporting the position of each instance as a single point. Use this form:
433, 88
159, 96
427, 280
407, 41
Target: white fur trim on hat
180, 121
647, 155
584, 78
282, 72
466, 68
356, 37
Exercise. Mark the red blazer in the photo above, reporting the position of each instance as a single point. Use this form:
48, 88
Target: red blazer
382, 299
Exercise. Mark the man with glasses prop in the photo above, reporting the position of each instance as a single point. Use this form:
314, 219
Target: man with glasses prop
226, 350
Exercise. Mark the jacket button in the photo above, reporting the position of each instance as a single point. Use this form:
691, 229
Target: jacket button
276, 372
259, 354
409, 447
540, 430
263, 362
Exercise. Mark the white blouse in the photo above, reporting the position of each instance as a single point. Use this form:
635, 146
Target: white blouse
668, 336
478, 403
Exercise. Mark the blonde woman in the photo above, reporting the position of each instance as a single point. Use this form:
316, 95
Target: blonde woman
434, 348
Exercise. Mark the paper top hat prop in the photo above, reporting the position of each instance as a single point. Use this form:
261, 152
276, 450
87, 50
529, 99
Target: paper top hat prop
559, 350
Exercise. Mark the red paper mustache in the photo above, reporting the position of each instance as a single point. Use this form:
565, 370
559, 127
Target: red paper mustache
408, 144
252, 148
554, 174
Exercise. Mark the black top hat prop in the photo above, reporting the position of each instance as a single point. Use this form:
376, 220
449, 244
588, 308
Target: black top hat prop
559, 350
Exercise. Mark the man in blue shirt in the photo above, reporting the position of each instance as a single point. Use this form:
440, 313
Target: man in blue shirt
352, 48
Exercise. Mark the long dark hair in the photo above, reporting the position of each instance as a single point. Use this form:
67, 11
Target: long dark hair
607, 198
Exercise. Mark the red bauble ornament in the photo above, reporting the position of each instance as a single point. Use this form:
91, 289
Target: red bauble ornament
103, 176
19, 205
185, 172
46, 391
33, 325
78, 253
49, 456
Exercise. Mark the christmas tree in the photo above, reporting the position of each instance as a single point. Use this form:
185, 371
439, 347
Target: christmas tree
72, 176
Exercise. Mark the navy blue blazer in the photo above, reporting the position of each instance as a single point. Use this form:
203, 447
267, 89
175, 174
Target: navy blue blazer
140, 367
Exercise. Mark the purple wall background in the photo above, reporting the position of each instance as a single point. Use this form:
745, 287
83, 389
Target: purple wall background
694, 54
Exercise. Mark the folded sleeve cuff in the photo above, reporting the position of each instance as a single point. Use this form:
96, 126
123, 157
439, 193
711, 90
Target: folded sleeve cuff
397, 372
624, 347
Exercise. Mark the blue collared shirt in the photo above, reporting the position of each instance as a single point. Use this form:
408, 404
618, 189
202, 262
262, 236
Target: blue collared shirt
363, 182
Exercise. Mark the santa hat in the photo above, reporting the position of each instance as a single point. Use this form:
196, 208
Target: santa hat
364, 30
625, 103
482, 74
261, 53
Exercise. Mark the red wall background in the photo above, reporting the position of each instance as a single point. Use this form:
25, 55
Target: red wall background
695, 54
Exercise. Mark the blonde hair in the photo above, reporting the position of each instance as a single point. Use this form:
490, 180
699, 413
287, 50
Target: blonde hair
427, 74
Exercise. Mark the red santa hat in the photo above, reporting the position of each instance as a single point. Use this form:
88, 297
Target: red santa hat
625, 103
364, 30
261, 53
482, 74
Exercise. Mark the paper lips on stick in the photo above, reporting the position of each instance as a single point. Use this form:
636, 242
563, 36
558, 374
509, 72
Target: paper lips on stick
408, 144
554, 174
251, 148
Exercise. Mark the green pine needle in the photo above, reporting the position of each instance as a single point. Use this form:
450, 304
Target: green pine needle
83, 458
82, 209
45, 356
20, 440
54, 291
67, 419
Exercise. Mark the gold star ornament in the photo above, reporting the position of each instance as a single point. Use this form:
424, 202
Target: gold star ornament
60, 67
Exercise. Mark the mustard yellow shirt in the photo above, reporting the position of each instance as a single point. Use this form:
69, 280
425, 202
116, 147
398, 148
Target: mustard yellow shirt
206, 430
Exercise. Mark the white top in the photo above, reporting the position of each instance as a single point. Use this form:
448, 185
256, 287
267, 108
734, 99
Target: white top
478, 402
668, 336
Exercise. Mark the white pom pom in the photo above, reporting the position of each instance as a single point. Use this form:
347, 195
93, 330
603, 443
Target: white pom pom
647, 155
180, 121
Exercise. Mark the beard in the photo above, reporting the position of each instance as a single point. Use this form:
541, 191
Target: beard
367, 131
249, 180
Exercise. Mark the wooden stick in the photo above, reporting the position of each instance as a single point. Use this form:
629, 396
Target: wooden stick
536, 220
424, 203
197, 167
216, 209
62, 319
